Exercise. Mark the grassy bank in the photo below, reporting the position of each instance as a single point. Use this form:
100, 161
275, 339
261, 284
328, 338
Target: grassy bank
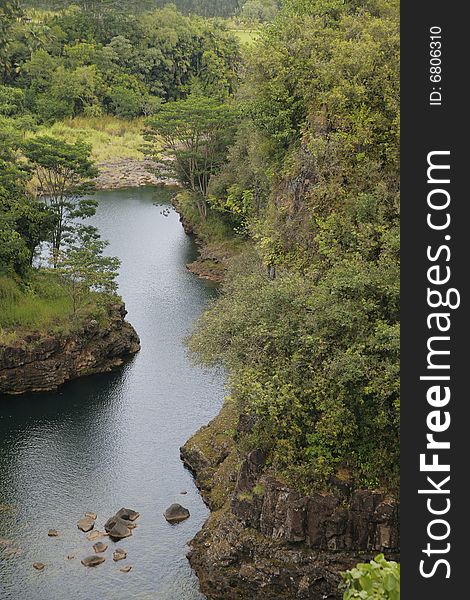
218, 241
43, 304
111, 138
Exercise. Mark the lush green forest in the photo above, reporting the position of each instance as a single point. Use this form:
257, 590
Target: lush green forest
206, 8
287, 152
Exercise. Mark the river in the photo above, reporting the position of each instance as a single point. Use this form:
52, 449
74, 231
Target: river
112, 441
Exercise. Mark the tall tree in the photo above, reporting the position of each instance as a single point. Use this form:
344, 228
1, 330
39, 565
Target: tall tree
85, 268
10, 11
64, 174
196, 134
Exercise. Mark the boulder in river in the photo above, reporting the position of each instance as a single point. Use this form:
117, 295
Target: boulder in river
53, 533
176, 513
93, 561
119, 554
125, 569
39, 566
91, 515
127, 514
86, 524
120, 530
100, 547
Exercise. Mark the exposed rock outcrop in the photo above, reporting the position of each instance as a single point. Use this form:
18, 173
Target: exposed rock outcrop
41, 362
267, 541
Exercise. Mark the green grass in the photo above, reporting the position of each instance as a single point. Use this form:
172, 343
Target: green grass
246, 37
111, 138
44, 303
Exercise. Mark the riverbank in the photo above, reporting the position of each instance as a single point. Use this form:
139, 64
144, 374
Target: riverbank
217, 244
264, 539
40, 362
120, 173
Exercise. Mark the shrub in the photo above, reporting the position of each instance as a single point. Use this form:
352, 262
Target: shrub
377, 580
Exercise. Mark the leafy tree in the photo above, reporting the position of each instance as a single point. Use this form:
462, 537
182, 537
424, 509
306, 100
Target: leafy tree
10, 11
259, 11
24, 222
85, 268
195, 133
64, 175
11, 101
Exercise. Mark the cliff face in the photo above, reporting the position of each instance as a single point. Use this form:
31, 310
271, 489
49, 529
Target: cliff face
43, 363
266, 541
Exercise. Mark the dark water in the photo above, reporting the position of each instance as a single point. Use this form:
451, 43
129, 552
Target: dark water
113, 440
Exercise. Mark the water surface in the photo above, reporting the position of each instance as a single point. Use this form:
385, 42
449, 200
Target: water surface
109, 441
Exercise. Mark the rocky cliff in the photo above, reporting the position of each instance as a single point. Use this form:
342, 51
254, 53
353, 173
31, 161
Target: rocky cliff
265, 540
39, 363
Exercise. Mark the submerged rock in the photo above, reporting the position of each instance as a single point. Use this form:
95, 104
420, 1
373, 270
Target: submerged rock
53, 533
100, 547
176, 513
39, 566
125, 569
119, 554
95, 535
93, 561
85, 525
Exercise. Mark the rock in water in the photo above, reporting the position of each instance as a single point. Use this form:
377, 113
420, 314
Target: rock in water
100, 547
125, 569
93, 561
70, 556
127, 514
91, 515
110, 523
38, 566
176, 513
120, 530
53, 533
119, 554
94, 535
86, 525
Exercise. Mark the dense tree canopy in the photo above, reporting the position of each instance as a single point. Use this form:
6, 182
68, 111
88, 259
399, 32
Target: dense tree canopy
206, 8
86, 62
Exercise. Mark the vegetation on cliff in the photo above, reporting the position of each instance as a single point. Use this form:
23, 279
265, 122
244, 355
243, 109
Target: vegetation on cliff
308, 324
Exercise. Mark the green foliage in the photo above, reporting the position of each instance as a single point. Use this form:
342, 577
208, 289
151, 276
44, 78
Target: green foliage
84, 267
206, 8
377, 580
196, 133
36, 306
100, 58
64, 173
10, 11
259, 11
309, 328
